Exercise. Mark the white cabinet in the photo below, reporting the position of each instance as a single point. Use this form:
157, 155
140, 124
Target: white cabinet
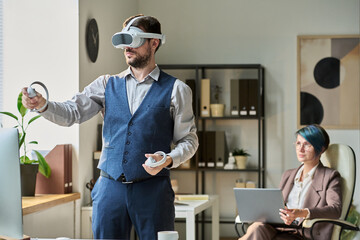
86, 218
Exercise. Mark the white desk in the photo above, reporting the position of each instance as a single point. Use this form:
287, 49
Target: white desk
181, 211
197, 206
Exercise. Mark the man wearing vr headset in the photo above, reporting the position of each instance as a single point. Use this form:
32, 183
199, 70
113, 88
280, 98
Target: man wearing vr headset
144, 110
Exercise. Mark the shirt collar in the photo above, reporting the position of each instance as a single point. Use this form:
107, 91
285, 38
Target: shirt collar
312, 171
309, 174
155, 74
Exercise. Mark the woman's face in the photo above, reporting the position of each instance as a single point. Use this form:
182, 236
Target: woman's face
305, 152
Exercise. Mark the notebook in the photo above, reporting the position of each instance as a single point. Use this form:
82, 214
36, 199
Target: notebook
259, 204
10, 185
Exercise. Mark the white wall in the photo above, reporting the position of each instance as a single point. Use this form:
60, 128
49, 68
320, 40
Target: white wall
256, 31
41, 43
109, 15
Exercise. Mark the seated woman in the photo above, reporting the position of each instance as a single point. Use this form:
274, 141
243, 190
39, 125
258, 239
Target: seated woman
310, 191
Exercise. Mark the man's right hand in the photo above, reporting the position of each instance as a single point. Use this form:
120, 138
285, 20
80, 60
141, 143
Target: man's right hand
36, 102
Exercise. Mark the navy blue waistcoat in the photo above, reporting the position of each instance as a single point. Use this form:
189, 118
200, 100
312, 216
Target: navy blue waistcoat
126, 137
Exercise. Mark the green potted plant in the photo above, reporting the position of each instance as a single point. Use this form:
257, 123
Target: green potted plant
29, 167
240, 156
217, 108
354, 218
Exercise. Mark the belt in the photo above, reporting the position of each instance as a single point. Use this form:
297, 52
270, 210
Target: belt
121, 179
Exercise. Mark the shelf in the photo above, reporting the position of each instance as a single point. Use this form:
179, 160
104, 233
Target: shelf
222, 74
210, 66
229, 170
230, 117
184, 169
208, 169
208, 220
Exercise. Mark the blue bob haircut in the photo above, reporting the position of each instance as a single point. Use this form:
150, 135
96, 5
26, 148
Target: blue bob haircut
316, 136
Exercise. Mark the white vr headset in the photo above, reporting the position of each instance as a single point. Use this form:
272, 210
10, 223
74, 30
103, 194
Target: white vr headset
133, 37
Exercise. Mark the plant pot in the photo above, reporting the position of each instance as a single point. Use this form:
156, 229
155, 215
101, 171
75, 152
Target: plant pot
28, 178
241, 162
217, 110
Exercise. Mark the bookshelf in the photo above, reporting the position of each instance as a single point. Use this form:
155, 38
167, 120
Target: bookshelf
221, 75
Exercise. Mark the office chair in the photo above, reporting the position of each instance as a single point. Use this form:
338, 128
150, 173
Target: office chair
342, 158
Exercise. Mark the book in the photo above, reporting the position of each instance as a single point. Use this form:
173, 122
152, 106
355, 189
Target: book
68, 167
96, 171
215, 149
210, 146
221, 149
192, 197
60, 181
243, 97
253, 97
200, 153
205, 97
234, 97
192, 84
99, 137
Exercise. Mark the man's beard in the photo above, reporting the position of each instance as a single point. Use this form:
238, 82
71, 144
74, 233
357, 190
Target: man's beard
139, 61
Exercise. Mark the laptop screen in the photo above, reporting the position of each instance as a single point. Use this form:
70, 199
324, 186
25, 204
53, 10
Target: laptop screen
10, 185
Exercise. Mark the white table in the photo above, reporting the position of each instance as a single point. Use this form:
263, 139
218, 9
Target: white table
194, 207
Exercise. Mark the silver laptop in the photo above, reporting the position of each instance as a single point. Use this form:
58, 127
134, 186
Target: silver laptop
10, 185
259, 204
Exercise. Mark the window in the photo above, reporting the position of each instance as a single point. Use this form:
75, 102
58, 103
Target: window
1, 60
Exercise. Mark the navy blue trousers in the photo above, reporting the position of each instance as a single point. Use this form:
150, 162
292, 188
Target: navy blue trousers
147, 205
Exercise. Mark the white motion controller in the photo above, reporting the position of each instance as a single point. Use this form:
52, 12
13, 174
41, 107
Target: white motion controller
32, 93
151, 162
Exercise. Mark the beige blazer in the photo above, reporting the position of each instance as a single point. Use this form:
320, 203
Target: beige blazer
323, 198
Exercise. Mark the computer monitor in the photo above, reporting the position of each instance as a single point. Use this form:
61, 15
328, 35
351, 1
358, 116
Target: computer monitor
10, 185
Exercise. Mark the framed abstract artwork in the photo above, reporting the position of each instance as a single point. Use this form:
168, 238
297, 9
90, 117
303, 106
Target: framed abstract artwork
328, 89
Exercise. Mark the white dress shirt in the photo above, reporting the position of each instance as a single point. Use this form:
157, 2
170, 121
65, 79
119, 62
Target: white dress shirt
91, 100
297, 195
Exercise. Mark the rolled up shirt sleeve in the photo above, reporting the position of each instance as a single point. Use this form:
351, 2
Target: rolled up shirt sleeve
185, 139
83, 106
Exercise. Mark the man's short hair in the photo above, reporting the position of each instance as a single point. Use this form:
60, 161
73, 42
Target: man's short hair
146, 23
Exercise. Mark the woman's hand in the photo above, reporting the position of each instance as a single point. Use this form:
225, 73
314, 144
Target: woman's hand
289, 215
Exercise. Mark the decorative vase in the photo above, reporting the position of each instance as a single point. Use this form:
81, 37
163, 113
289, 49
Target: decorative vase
217, 110
241, 162
28, 178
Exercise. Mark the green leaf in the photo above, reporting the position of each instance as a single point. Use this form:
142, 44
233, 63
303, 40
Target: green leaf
33, 119
22, 110
25, 160
33, 142
22, 139
354, 218
10, 115
44, 168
